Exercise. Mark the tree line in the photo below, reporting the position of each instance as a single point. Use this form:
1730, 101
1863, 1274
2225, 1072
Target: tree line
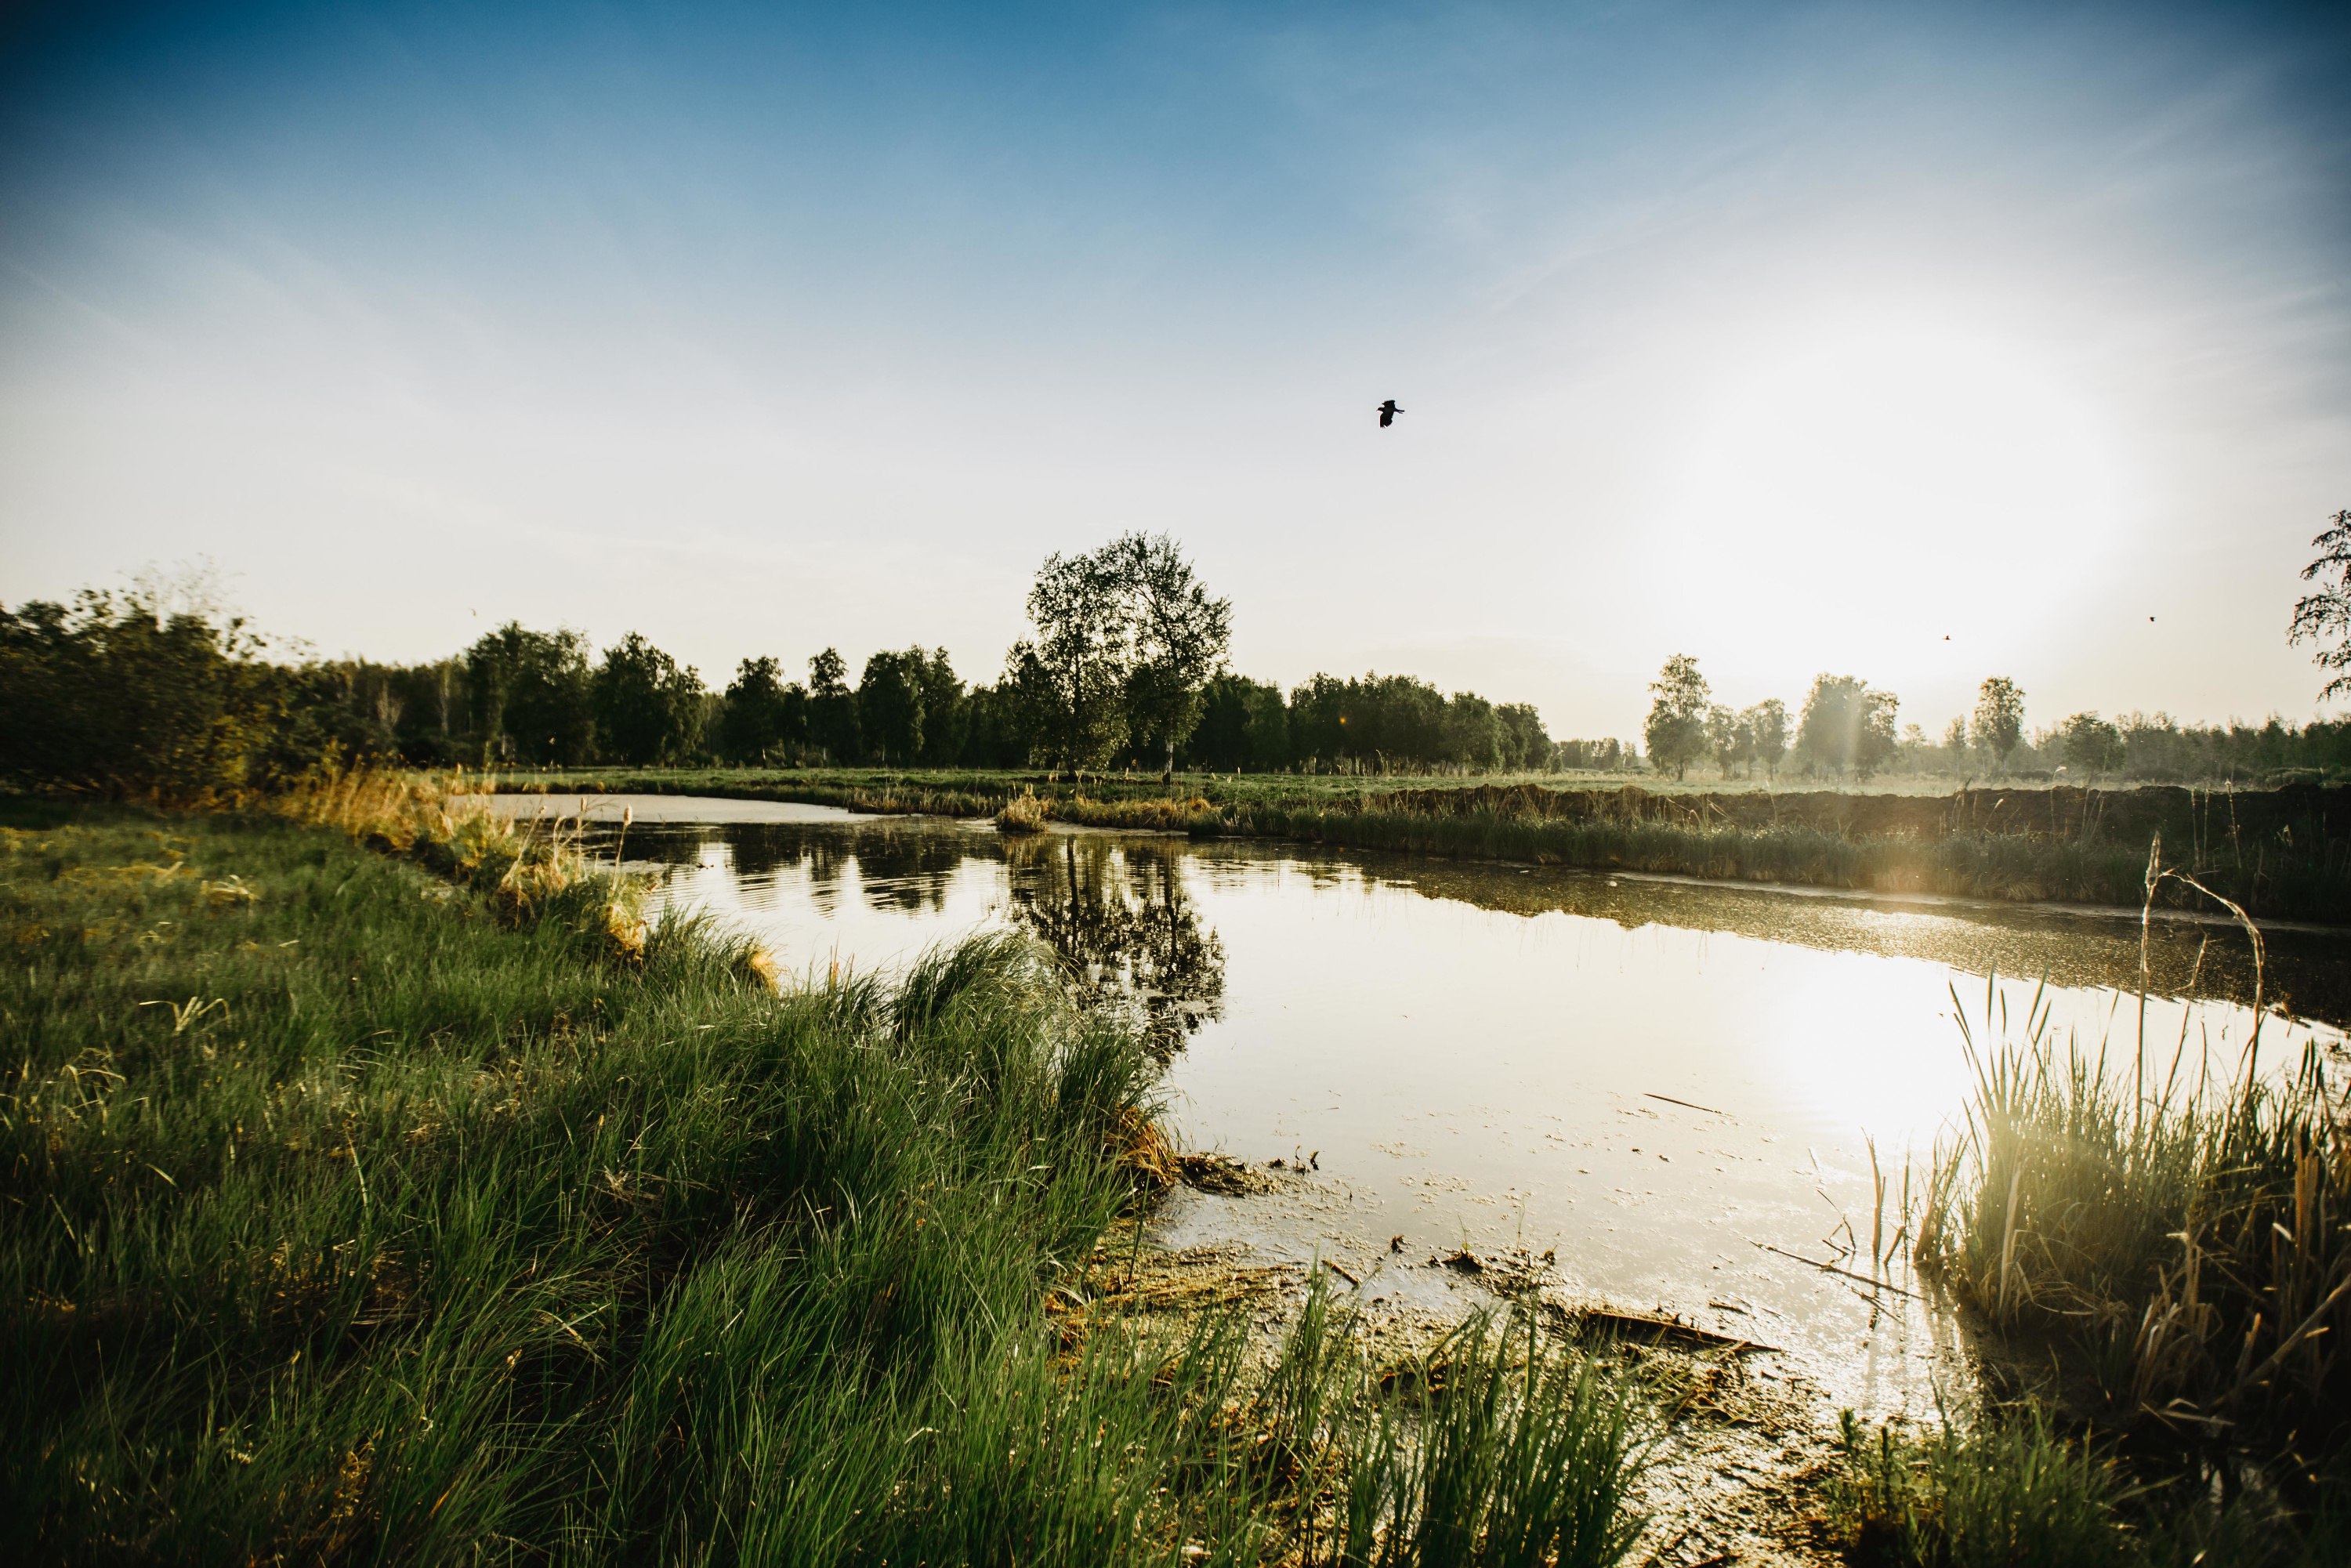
1125, 664
1846, 727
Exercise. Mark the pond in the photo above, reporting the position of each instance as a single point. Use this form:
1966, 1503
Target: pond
1668, 1086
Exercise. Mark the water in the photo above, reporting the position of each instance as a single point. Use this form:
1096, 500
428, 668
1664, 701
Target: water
1653, 1080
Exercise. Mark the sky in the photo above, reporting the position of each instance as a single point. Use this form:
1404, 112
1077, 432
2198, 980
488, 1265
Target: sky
1917, 344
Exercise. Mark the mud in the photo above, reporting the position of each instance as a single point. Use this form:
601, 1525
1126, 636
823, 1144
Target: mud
1747, 1442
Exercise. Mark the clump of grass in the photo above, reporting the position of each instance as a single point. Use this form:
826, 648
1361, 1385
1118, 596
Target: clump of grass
1507, 1447
2180, 1236
1024, 813
2011, 1489
2010, 1492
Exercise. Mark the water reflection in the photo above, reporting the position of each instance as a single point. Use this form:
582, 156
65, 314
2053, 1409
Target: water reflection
1116, 911
1119, 915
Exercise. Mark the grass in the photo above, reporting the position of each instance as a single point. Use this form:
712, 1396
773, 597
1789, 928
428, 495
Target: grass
2012, 1489
2179, 1231
2296, 867
422, 1201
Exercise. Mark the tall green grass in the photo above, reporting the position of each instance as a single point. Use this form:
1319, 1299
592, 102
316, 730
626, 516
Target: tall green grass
2175, 1222
2014, 1489
354, 1212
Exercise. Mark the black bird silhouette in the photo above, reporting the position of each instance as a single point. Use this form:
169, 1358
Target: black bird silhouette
1388, 411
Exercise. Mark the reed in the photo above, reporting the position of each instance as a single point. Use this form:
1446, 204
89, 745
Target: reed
1999, 1492
2181, 1245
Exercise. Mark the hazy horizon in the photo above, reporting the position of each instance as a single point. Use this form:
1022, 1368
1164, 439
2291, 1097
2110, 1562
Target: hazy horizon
1796, 339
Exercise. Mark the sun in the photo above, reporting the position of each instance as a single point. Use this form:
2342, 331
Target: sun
1850, 491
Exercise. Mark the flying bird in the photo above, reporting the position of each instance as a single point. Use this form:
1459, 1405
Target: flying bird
1388, 411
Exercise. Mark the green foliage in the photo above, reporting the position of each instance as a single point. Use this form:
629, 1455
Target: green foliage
1999, 719
1126, 639
1243, 724
2001, 1493
1727, 736
121, 696
762, 718
648, 706
1178, 639
1846, 725
2180, 1226
1524, 744
1068, 686
946, 721
2092, 746
890, 715
1675, 731
532, 701
1508, 1452
1766, 725
2327, 612
833, 708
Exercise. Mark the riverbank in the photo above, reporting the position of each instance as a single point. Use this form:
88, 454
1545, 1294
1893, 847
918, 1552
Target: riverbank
2281, 853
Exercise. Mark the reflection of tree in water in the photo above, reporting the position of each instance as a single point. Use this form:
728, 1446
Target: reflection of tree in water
1120, 920
899, 866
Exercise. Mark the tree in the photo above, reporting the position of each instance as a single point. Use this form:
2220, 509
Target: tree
753, 727
2327, 613
1524, 744
945, 721
1676, 732
531, 695
2092, 745
1726, 737
1999, 719
1473, 737
1243, 724
131, 696
1177, 638
1767, 735
832, 707
1955, 745
1847, 726
648, 704
890, 705
1069, 684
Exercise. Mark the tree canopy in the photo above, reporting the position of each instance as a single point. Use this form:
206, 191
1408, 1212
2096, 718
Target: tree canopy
1847, 726
1999, 719
1675, 731
2327, 612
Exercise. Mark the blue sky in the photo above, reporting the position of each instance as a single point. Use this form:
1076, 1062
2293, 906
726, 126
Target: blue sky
1796, 337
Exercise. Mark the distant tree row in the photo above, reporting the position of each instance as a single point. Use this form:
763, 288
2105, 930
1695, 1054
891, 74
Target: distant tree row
155, 691
1125, 666
1846, 728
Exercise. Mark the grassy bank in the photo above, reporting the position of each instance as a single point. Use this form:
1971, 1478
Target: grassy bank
422, 1202
2282, 854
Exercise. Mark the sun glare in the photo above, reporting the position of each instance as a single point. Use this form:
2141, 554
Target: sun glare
1869, 491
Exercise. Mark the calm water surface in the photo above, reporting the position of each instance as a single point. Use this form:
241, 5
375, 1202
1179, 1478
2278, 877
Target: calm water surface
1488, 1055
